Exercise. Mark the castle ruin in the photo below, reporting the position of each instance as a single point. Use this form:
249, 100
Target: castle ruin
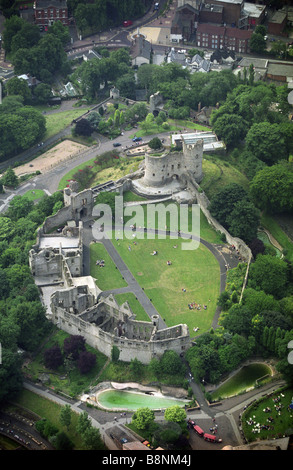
75, 303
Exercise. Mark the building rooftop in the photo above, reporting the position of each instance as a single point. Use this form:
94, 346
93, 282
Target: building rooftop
56, 242
252, 10
210, 140
50, 3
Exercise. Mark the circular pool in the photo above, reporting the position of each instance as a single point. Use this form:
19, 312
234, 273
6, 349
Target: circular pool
125, 400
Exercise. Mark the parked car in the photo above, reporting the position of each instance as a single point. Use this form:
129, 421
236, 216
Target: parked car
127, 23
136, 139
116, 144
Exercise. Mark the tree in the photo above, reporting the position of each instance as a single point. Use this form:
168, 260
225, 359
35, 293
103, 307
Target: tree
6, 228
143, 418
231, 128
61, 441
155, 143
175, 413
18, 86
19, 206
168, 434
258, 301
270, 274
171, 363
148, 122
272, 188
136, 367
60, 31
42, 93
266, 142
86, 361
92, 439
65, 416
224, 201
115, 354
73, 346
12, 26
53, 357
94, 118
244, 220
83, 127
257, 43
9, 178
83, 422
257, 247
238, 320
11, 378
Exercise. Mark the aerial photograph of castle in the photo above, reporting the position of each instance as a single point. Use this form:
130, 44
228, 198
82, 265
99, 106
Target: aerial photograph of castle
146, 229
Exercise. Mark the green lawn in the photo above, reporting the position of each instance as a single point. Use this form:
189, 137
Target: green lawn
197, 271
282, 420
34, 194
274, 228
56, 122
107, 277
134, 305
51, 411
219, 173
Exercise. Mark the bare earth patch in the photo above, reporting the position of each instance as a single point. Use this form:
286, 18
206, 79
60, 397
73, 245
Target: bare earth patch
53, 157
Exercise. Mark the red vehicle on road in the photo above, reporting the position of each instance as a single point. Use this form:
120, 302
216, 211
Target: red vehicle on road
198, 430
127, 23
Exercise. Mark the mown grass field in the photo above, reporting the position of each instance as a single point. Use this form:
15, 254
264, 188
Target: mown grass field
56, 122
196, 271
107, 277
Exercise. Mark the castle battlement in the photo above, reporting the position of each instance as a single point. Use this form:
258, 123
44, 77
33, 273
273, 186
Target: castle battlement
172, 164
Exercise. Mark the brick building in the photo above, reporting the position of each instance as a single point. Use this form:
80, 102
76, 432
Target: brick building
212, 36
232, 10
277, 23
49, 11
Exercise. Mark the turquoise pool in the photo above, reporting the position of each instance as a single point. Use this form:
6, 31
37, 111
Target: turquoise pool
123, 400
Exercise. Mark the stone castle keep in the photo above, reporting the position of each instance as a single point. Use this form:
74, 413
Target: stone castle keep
75, 303
161, 169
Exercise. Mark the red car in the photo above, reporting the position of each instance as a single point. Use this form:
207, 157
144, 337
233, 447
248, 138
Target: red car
127, 23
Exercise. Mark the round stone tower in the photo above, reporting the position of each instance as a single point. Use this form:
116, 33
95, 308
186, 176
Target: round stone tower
163, 167
192, 156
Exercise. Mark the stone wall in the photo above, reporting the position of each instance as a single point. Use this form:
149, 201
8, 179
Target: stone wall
204, 202
141, 339
161, 169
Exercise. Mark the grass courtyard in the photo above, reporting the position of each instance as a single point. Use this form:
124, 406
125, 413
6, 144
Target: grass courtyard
196, 271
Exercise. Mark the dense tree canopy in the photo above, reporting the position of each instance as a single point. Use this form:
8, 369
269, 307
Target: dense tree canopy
19, 129
31, 53
266, 142
100, 15
272, 188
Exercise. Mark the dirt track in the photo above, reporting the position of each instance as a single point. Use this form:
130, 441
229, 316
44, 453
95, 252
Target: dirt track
53, 157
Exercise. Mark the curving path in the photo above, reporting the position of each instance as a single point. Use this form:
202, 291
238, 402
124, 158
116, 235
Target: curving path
133, 286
